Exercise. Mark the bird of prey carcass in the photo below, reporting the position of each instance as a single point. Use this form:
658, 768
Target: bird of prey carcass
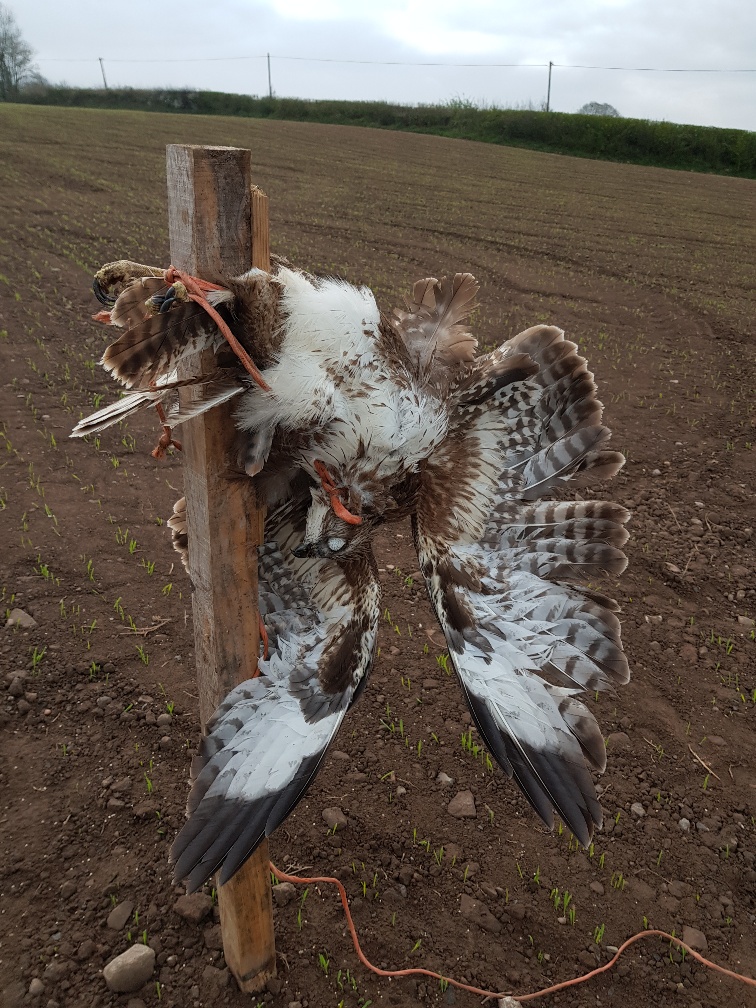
356, 419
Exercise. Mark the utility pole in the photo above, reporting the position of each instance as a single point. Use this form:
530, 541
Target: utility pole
548, 90
270, 80
102, 68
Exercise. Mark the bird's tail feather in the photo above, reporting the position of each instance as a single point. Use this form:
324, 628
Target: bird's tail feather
207, 391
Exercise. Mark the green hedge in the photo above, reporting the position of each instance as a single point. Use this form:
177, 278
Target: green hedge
641, 141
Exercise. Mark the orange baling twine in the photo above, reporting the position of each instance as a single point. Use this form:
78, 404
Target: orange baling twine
264, 640
521, 998
196, 290
166, 438
335, 495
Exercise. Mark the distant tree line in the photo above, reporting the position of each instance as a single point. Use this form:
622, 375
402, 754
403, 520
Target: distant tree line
584, 134
17, 67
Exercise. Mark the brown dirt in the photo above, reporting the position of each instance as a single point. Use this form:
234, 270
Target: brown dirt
649, 271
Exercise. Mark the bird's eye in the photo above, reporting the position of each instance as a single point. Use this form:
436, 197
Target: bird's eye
335, 544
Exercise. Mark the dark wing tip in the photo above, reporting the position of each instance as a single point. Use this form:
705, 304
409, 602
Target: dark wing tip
548, 782
222, 833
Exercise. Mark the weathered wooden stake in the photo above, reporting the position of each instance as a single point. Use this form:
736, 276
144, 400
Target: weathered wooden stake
212, 213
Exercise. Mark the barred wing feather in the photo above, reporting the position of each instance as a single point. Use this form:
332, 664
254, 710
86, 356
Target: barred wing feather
268, 738
507, 571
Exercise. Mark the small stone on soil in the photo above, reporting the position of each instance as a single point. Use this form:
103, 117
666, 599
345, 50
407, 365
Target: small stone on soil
462, 805
119, 915
17, 617
130, 970
444, 780
637, 809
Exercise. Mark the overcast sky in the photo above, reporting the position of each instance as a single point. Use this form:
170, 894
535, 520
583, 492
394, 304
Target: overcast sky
676, 34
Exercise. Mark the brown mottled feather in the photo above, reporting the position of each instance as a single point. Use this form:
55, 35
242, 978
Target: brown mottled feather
153, 347
177, 525
153, 341
434, 325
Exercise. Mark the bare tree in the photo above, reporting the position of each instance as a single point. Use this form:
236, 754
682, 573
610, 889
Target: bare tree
17, 65
598, 108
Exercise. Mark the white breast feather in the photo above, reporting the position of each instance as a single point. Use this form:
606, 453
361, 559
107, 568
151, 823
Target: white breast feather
330, 375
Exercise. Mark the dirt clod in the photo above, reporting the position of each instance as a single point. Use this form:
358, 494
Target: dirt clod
695, 938
193, 907
334, 818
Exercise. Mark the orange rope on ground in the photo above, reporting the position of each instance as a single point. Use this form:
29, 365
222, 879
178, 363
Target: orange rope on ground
335, 495
283, 877
196, 289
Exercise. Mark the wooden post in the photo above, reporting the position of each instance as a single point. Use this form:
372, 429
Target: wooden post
210, 222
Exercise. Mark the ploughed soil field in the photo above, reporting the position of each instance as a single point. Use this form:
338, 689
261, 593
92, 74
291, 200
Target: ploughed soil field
650, 271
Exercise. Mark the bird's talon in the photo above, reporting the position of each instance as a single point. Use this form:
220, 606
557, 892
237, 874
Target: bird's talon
105, 299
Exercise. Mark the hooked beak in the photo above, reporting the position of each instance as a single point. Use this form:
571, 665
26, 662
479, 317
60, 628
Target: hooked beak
303, 550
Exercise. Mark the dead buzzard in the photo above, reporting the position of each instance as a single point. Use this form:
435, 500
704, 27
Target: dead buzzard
355, 419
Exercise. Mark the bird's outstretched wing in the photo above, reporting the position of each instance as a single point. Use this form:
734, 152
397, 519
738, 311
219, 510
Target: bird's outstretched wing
510, 575
268, 738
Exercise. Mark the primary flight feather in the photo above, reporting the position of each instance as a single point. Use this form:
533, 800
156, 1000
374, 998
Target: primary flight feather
364, 419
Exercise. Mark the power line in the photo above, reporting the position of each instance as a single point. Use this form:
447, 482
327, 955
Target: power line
582, 66
323, 59
303, 59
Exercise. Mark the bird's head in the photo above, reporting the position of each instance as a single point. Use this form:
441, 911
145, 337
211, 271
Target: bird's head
331, 536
